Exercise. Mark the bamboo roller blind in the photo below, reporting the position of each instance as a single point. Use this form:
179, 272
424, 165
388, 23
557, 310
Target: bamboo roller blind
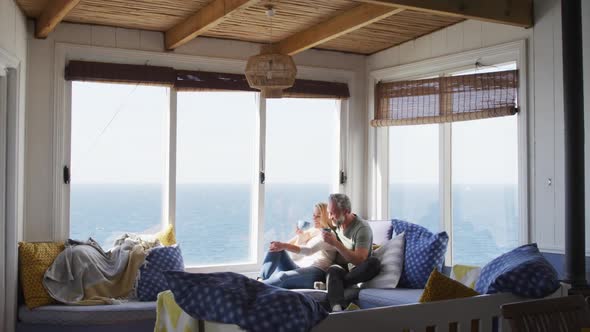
446, 99
187, 80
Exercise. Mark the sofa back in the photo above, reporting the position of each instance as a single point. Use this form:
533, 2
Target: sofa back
380, 229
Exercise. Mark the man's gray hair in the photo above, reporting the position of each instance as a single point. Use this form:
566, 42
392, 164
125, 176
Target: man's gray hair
342, 202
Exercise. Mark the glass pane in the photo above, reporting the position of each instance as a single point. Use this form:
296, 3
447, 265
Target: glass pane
485, 189
414, 175
301, 161
117, 159
214, 172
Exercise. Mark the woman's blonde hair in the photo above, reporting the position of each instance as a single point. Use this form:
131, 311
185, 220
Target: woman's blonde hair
325, 222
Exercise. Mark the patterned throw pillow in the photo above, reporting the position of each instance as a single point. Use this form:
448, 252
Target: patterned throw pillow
466, 274
151, 274
391, 256
167, 236
34, 259
522, 271
424, 252
440, 287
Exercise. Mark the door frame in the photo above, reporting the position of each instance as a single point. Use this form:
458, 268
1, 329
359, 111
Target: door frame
11, 184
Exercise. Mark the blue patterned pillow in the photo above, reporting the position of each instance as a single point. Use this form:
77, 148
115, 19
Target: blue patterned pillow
424, 252
232, 298
522, 271
151, 277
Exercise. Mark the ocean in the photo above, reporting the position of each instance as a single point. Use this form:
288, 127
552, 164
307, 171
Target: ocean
213, 221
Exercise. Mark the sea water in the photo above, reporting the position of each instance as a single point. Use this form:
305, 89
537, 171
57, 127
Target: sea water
213, 221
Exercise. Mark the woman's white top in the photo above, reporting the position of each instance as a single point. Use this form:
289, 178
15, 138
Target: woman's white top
314, 251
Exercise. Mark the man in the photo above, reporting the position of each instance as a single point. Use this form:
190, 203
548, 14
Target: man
353, 241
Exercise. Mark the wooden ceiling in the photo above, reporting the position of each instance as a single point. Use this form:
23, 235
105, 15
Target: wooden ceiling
356, 26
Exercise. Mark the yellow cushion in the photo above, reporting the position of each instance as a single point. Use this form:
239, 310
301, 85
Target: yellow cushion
167, 237
466, 274
440, 287
34, 259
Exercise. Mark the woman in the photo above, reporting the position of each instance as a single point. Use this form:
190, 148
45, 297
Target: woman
309, 260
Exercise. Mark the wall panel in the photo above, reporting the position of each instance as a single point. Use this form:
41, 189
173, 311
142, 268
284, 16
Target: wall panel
545, 178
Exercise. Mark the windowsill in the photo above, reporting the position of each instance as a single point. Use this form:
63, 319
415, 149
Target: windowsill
243, 268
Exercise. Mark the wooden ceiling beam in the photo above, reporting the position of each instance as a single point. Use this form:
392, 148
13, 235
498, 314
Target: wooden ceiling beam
513, 12
335, 27
52, 14
201, 21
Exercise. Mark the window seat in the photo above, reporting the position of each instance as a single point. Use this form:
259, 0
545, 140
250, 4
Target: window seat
136, 316
375, 297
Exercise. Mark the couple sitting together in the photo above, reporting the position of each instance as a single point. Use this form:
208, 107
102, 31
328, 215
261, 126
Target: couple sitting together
337, 250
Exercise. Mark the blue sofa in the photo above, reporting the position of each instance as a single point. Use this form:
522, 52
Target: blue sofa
141, 316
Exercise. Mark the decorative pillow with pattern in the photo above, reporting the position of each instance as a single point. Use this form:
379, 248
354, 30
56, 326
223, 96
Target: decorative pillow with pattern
151, 277
466, 274
424, 252
34, 258
167, 236
522, 271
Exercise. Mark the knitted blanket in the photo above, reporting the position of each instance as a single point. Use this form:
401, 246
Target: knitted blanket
84, 274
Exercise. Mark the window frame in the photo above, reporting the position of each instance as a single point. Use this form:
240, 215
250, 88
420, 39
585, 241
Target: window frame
64, 52
379, 137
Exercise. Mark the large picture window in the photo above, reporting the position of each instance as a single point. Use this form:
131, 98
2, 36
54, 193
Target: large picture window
215, 150
485, 189
301, 161
414, 174
229, 169
463, 176
116, 159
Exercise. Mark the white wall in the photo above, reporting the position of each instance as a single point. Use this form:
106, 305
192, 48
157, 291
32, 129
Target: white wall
13, 30
545, 97
39, 204
13, 42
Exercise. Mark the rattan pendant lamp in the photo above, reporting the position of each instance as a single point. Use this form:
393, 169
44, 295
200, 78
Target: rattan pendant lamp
271, 72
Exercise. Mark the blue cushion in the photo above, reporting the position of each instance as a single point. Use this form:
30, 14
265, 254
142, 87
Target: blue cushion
424, 252
151, 277
522, 271
375, 297
65, 314
232, 298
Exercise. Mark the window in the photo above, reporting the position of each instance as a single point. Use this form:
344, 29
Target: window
176, 149
484, 185
214, 174
116, 159
414, 174
464, 177
485, 189
302, 154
